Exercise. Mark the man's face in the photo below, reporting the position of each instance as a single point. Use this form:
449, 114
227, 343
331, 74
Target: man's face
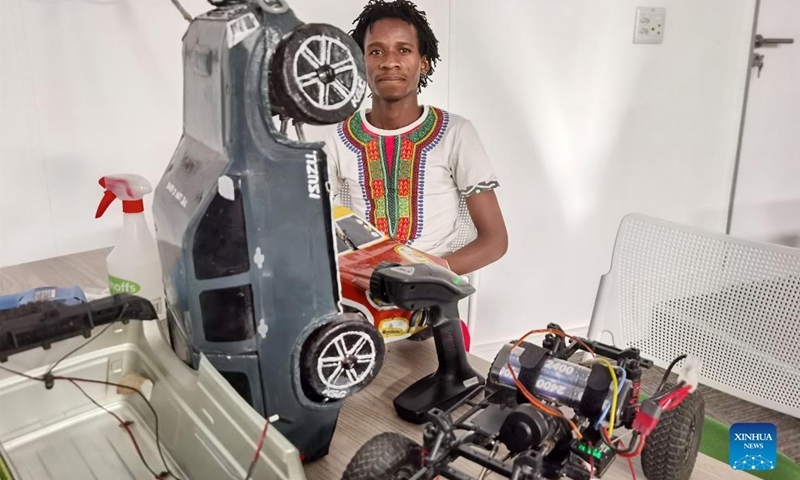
394, 64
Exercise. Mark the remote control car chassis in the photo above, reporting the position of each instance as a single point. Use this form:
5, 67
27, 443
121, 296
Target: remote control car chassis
550, 412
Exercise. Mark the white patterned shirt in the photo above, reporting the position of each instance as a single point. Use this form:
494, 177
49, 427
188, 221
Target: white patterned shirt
410, 183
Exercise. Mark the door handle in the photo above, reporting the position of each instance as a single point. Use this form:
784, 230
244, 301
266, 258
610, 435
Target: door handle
760, 41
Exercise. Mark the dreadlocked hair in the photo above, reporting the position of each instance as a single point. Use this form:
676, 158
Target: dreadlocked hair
408, 12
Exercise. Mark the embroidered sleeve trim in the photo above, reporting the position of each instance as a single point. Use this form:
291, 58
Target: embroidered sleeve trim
480, 187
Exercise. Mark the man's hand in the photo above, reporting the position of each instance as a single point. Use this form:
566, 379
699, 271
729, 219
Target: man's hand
492, 240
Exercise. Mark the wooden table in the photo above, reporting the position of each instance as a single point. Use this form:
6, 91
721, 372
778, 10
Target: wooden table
366, 414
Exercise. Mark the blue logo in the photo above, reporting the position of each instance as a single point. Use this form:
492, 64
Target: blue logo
753, 446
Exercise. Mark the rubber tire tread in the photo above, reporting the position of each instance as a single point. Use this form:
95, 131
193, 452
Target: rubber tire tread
664, 454
313, 387
382, 456
285, 93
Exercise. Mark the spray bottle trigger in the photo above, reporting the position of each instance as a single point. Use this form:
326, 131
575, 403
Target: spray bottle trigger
108, 197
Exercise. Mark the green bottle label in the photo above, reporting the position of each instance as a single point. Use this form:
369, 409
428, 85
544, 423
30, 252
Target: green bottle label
118, 285
4, 473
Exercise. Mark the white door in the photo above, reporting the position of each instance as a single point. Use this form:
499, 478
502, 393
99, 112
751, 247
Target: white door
766, 204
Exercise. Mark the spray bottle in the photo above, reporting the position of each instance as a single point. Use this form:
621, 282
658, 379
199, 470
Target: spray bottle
133, 265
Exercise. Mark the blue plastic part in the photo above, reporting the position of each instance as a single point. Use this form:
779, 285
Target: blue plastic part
64, 295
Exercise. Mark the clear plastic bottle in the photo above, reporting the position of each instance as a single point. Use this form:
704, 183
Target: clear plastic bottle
134, 266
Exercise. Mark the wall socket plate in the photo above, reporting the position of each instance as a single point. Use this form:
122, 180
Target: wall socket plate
649, 26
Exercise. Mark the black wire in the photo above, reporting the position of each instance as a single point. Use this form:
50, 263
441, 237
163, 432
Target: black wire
82, 345
21, 374
119, 317
122, 424
632, 446
43, 378
669, 370
102, 382
251, 469
150, 405
85, 380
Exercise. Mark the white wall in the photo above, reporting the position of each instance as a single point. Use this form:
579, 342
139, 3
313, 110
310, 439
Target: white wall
86, 89
768, 189
585, 127
94, 88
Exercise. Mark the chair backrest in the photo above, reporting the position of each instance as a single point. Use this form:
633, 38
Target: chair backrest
466, 229
675, 289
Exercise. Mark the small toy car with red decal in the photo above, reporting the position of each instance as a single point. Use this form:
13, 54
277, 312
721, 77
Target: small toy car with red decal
361, 248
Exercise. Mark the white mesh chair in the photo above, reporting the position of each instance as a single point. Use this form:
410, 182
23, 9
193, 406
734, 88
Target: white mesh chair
674, 289
467, 233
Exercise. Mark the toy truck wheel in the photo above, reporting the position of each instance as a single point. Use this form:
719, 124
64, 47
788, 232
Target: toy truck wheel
671, 449
341, 358
317, 75
388, 456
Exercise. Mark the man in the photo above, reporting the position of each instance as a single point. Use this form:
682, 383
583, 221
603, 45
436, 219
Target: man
405, 167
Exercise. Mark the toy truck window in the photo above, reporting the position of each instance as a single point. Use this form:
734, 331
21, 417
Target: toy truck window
357, 232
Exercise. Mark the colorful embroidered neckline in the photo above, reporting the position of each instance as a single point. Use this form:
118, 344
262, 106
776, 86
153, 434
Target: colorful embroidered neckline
392, 187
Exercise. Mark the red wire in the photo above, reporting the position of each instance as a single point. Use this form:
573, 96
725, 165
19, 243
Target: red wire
122, 424
680, 392
261, 441
635, 453
604, 431
633, 472
630, 463
253, 464
638, 451
674, 399
136, 445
